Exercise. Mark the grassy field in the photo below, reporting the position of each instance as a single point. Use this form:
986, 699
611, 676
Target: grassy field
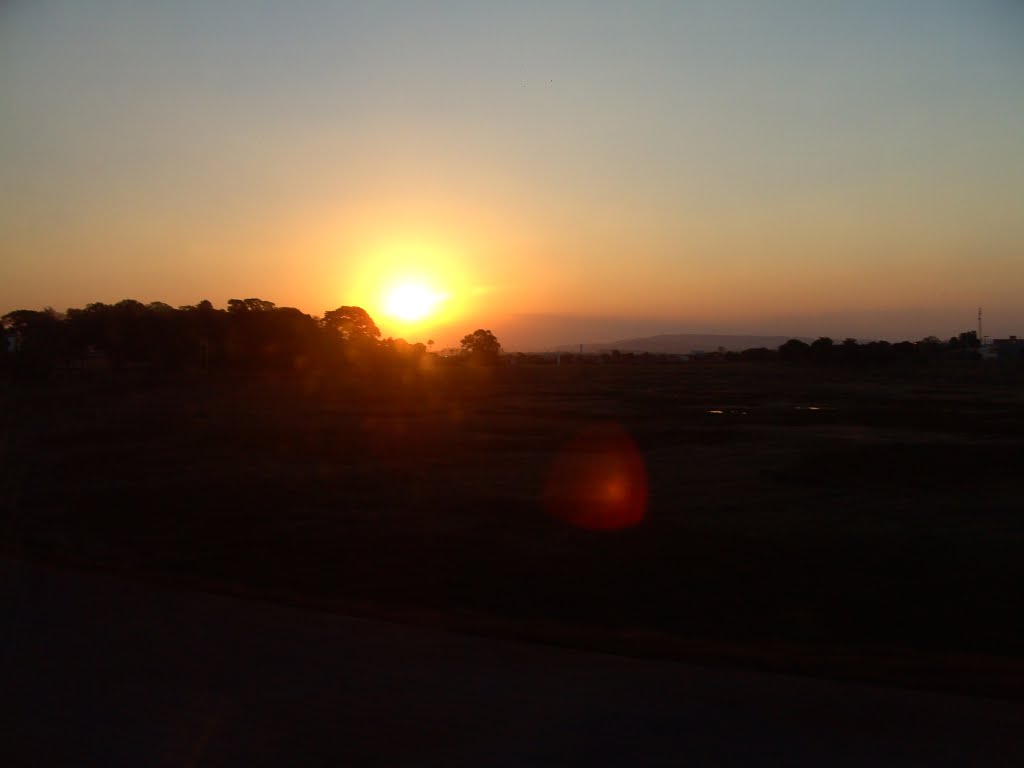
803, 518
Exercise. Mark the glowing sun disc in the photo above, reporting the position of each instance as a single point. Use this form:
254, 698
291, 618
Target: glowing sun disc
411, 302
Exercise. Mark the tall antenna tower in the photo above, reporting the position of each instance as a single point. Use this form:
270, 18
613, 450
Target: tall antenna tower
981, 338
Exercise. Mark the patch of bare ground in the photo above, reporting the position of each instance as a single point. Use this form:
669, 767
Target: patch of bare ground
854, 523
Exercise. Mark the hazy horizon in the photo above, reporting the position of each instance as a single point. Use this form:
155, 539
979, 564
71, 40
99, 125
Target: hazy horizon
557, 172
543, 332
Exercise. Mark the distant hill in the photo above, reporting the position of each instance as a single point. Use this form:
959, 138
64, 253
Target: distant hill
685, 343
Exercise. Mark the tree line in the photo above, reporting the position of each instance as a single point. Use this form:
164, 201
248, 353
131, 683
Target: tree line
252, 334
821, 351
850, 352
255, 334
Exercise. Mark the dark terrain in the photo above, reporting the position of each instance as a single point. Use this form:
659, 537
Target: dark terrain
111, 671
861, 524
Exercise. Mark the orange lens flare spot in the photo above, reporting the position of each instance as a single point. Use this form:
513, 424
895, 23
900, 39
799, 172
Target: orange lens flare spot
616, 490
598, 482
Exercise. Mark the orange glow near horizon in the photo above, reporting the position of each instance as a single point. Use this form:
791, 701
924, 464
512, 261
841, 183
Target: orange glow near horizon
411, 286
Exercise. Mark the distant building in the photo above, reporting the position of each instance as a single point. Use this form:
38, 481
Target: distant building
1010, 348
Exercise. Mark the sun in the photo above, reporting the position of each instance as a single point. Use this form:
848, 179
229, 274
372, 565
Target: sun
411, 302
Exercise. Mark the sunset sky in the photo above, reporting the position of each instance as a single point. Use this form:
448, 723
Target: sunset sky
557, 172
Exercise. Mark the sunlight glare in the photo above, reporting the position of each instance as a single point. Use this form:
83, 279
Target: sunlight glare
411, 302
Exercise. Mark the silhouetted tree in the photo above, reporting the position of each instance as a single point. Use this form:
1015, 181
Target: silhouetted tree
31, 327
40, 339
263, 335
822, 350
6, 340
351, 324
481, 346
251, 333
930, 348
402, 349
794, 350
238, 306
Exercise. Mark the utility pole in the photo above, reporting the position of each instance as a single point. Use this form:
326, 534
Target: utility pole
981, 339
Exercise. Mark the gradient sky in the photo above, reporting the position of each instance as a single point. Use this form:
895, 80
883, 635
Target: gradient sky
574, 171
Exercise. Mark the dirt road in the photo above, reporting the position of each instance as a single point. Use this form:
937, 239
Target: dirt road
97, 670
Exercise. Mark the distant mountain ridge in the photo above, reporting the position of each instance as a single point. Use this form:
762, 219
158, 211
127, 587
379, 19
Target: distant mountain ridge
684, 343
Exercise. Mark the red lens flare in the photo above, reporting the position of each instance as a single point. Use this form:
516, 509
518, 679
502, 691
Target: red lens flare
598, 481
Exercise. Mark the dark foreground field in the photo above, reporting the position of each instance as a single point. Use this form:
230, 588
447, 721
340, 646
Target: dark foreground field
864, 524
